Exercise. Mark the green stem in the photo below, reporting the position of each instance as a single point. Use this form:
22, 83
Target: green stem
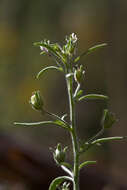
77, 89
96, 136
57, 117
69, 81
107, 139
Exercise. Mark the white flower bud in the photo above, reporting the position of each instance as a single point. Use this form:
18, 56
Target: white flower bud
36, 101
59, 154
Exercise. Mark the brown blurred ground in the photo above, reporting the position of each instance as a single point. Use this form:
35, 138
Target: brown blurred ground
24, 166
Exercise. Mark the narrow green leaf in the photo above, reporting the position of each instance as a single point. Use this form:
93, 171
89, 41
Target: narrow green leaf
90, 50
69, 75
56, 122
34, 123
93, 97
78, 95
67, 165
102, 140
52, 49
57, 181
88, 145
48, 68
68, 171
63, 117
60, 123
48, 46
86, 163
96, 47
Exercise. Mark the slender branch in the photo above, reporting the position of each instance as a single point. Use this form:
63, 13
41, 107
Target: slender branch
57, 117
96, 136
67, 170
100, 141
107, 139
86, 163
77, 89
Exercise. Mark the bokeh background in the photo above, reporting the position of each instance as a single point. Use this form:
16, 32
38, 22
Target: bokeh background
24, 22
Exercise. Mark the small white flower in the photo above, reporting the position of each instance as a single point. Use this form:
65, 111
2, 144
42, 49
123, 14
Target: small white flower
74, 37
43, 49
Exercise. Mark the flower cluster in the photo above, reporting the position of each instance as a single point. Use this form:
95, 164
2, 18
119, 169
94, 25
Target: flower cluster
70, 47
58, 52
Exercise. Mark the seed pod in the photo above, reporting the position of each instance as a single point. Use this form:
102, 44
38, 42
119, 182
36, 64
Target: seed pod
108, 119
36, 101
59, 154
78, 74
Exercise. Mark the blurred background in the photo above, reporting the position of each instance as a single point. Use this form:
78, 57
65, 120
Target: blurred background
24, 22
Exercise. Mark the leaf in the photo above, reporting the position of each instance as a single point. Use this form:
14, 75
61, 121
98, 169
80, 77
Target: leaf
67, 165
52, 48
68, 171
96, 47
86, 163
93, 97
48, 68
79, 93
60, 123
63, 117
59, 120
46, 45
56, 122
100, 141
69, 75
57, 181
107, 139
90, 50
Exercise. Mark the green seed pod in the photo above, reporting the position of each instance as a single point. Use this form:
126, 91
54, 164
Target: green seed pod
69, 48
59, 154
108, 119
78, 74
36, 101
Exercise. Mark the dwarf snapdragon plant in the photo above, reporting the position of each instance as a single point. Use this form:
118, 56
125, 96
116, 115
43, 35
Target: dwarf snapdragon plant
67, 62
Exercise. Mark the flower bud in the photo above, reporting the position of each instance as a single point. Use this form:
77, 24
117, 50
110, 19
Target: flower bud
36, 101
78, 74
65, 186
59, 154
43, 49
108, 119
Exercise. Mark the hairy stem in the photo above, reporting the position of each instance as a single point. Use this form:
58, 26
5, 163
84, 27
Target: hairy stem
73, 134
